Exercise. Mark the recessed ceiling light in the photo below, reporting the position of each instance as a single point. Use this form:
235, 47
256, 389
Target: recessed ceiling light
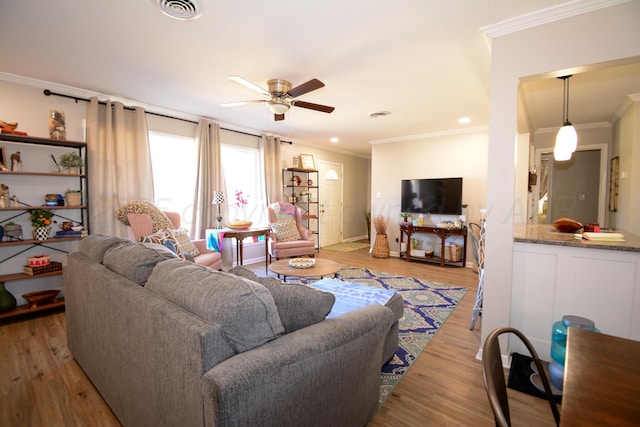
181, 9
379, 114
334, 139
464, 120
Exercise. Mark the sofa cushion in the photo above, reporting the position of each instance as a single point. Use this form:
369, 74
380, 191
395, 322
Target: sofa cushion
298, 306
95, 246
286, 229
136, 261
244, 309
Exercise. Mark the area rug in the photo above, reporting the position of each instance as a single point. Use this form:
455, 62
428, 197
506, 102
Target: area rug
427, 305
346, 246
520, 377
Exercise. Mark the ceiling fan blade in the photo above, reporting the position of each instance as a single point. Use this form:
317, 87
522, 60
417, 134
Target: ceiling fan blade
307, 87
246, 83
239, 103
312, 106
278, 117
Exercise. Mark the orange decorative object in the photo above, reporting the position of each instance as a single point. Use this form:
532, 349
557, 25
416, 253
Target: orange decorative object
38, 260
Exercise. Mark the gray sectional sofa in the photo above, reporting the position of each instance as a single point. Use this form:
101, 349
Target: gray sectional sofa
170, 343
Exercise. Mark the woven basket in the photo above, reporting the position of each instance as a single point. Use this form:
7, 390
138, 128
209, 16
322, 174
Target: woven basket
380, 247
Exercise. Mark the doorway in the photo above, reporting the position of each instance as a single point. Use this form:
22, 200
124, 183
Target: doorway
330, 176
573, 189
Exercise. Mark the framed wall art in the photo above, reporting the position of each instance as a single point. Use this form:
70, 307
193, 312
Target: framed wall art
307, 161
614, 180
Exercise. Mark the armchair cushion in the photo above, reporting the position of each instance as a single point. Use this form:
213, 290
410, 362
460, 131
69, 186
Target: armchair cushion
286, 229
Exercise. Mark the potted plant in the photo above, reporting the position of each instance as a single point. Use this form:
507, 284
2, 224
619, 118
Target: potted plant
72, 162
405, 215
41, 220
73, 197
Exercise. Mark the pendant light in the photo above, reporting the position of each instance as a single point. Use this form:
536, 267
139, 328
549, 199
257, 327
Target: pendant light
567, 138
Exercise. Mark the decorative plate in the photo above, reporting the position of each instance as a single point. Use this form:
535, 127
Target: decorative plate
302, 262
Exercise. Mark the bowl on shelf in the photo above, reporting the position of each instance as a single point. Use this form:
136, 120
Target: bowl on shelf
77, 228
240, 225
40, 297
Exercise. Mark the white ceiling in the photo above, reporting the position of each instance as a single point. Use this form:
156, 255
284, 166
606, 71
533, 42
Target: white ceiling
426, 62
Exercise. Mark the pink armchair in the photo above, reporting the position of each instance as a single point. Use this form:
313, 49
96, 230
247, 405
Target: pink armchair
142, 225
285, 220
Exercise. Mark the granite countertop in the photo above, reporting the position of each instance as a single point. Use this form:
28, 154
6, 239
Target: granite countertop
547, 235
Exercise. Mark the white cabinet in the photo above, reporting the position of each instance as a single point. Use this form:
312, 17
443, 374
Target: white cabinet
550, 281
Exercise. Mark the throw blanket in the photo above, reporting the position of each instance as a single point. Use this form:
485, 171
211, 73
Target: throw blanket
350, 296
214, 239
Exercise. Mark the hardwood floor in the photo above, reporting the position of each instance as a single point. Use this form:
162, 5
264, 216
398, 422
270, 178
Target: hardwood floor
41, 385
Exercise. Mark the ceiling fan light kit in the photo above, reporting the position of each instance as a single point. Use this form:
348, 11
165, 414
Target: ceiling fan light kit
282, 96
567, 138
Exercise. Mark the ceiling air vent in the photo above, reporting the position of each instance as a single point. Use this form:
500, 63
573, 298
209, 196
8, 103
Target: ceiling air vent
180, 9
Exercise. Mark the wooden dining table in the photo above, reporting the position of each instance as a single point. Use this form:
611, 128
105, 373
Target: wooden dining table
601, 380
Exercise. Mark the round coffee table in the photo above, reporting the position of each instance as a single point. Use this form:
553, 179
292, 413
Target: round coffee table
323, 267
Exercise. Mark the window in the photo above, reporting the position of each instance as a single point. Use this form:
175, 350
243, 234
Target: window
242, 172
173, 160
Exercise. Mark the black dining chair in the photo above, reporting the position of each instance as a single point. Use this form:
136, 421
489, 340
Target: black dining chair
494, 380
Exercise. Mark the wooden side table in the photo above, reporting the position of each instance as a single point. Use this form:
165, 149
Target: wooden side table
240, 235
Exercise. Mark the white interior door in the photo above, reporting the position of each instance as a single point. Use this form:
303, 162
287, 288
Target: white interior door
330, 203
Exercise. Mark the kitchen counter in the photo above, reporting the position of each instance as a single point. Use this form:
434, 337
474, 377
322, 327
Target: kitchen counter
547, 235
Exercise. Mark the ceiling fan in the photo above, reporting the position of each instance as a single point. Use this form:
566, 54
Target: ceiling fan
281, 96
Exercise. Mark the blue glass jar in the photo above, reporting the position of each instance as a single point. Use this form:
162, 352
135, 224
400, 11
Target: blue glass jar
559, 344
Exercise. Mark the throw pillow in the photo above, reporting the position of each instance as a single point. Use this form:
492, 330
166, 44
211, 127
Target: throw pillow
164, 238
184, 242
286, 230
298, 306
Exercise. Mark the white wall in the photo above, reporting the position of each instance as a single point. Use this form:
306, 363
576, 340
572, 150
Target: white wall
626, 146
591, 38
459, 155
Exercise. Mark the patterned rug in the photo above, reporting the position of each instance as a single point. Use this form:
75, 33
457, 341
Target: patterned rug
426, 307
346, 246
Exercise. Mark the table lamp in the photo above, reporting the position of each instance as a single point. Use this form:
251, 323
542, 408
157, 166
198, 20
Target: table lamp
218, 199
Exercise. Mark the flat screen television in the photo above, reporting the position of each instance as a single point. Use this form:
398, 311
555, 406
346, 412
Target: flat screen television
432, 196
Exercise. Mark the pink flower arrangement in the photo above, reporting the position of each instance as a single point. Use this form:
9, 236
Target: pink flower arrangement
241, 199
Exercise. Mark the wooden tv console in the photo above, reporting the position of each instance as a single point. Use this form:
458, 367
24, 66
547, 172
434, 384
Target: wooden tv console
443, 233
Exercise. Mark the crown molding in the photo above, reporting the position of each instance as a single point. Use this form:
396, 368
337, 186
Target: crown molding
477, 129
544, 16
597, 125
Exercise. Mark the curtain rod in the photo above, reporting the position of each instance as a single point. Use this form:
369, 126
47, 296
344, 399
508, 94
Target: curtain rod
47, 92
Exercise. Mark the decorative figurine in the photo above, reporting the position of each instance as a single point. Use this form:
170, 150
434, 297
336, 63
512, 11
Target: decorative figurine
16, 163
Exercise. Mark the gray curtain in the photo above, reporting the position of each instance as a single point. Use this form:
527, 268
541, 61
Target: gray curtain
272, 167
119, 165
210, 178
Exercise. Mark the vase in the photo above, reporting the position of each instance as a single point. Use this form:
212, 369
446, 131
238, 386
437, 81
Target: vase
7, 300
73, 170
57, 125
41, 233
